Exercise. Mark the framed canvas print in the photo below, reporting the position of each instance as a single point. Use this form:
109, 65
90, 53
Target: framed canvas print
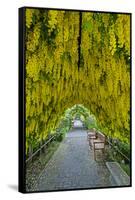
74, 99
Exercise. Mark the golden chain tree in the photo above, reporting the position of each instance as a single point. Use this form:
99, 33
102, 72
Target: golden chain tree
64, 69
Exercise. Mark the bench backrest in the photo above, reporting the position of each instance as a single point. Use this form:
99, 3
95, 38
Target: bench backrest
101, 136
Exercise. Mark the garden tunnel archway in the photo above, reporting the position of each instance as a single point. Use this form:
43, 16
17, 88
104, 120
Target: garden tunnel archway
81, 113
68, 63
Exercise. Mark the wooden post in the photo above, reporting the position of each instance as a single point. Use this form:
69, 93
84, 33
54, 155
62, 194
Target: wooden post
94, 154
43, 147
30, 150
40, 147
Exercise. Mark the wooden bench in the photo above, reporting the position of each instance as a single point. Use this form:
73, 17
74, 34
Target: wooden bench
91, 134
97, 143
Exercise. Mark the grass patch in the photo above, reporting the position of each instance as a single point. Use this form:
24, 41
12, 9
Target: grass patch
126, 168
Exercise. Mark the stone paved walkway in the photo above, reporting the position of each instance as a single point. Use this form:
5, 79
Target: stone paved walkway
72, 166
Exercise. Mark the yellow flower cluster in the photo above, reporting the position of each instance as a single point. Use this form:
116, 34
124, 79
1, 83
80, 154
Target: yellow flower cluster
55, 82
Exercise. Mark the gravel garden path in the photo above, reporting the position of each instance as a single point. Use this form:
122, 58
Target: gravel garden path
72, 166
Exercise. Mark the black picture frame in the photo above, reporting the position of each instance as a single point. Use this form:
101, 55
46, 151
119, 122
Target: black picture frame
22, 99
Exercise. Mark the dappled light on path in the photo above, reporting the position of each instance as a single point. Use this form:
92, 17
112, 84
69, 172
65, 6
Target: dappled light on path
77, 124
